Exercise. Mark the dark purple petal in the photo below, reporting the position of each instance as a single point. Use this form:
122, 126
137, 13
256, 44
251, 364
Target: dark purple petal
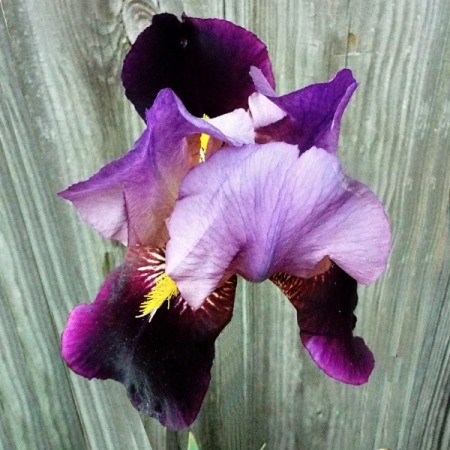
260, 210
130, 199
313, 113
205, 61
164, 363
325, 305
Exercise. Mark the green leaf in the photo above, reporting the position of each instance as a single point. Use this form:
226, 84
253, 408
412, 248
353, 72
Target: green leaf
192, 443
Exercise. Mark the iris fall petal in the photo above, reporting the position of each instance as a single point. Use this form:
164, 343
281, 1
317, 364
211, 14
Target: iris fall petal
325, 305
164, 363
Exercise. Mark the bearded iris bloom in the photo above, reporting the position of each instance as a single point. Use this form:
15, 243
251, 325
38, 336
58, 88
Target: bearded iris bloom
269, 201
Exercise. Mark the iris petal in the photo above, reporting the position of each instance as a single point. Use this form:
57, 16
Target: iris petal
263, 209
164, 363
129, 199
312, 114
325, 305
205, 61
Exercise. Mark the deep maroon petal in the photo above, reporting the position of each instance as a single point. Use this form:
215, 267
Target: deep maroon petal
325, 306
205, 61
313, 113
130, 199
164, 363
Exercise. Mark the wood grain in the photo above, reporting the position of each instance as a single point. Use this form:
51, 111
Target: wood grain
63, 114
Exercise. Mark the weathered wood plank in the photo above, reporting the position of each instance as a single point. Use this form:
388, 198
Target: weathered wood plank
62, 105
63, 115
395, 138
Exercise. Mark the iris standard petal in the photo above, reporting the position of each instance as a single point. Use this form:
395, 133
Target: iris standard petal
325, 305
205, 61
130, 199
263, 209
313, 114
164, 363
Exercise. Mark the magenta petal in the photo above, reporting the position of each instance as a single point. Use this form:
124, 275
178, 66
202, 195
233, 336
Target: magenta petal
164, 363
313, 113
325, 306
205, 61
130, 199
260, 210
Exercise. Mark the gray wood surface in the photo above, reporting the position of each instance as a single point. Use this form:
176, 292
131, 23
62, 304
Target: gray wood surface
63, 114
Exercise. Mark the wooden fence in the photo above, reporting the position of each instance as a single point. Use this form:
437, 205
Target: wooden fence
63, 114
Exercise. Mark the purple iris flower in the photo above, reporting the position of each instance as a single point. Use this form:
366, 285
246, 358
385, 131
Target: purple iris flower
255, 191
